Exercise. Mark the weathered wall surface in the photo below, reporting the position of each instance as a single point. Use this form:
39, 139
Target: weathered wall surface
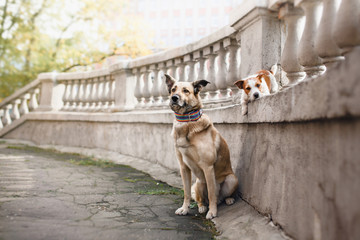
305, 174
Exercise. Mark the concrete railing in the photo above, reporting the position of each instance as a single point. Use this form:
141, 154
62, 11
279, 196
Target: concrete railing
26, 97
253, 41
296, 151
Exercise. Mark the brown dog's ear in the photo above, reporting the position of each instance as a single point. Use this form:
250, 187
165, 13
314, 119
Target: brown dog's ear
239, 84
199, 85
170, 81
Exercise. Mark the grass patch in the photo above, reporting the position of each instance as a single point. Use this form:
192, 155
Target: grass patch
92, 162
74, 158
161, 189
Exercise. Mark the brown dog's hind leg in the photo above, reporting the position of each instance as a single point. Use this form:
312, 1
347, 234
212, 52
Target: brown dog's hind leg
228, 188
200, 195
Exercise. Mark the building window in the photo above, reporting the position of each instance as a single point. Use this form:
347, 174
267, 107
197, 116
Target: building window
188, 32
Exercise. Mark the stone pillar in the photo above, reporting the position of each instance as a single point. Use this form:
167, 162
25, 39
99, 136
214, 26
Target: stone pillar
15, 114
24, 105
47, 102
307, 55
220, 80
1, 117
33, 103
163, 88
156, 84
147, 86
181, 66
124, 86
232, 76
138, 88
260, 39
211, 76
347, 31
324, 42
289, 61
188, 59
6, 117
198, 55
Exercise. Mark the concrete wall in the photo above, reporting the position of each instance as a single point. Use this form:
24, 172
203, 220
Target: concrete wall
296, 153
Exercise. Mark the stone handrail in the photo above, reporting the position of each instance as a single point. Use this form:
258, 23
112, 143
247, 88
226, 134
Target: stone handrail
26, 97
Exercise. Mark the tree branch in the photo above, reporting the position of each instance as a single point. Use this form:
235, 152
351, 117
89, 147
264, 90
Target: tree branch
87, 64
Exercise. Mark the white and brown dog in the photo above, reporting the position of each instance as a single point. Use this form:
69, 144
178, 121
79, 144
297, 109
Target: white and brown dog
200, 150
255, 86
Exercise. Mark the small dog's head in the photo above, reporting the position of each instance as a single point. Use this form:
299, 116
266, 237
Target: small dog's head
254, 86
184, 96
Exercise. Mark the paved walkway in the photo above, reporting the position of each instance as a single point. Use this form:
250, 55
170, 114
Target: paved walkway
47, 195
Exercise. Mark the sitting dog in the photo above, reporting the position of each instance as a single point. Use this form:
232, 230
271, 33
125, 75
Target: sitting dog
255, 86
200, 150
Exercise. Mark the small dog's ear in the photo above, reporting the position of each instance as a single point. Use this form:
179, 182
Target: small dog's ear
199, 85
170, 81
239, 84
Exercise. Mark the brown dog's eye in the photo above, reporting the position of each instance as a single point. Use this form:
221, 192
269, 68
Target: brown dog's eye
248, 88
186, 91
173, 90
257, 85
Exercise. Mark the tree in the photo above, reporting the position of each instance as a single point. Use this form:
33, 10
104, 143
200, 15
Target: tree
50, 35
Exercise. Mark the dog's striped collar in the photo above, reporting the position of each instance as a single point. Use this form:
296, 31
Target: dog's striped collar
187, 117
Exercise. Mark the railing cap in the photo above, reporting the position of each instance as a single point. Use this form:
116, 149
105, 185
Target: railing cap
119, 66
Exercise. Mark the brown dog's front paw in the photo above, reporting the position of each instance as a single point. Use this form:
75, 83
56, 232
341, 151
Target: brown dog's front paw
211, 214
182, 211
202, 209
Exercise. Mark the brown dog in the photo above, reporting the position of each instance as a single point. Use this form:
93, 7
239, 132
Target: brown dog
200, 149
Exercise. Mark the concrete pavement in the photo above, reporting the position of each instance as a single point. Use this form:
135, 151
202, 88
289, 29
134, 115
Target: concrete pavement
48, 195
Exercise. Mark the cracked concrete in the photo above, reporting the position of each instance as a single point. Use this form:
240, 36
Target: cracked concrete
44, 195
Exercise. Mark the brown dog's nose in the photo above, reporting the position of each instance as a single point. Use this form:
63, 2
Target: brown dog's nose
256, 95
175, 98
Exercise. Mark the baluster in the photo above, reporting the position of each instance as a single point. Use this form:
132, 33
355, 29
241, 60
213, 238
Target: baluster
211, 76
33, 104
232, 76
202, 72
307, 55
172, 67
289, 62
80, 95
111, 94
74, 92
1, 118
66, 94
163, 88
24, 104
324, 42
93, 94
347, 31
100, 90
71, 95
7, 118
156, 84
188, 59
87, 94
105, 95
15, 110
138, 89
147, 86
220, 80
181, 66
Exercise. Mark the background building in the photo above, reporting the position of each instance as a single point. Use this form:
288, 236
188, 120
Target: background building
179, 22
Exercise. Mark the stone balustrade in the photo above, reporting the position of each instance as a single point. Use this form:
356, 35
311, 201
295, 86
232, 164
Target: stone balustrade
20, 103
317, 34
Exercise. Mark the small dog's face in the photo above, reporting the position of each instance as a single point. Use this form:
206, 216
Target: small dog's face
252, 87
184, 96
